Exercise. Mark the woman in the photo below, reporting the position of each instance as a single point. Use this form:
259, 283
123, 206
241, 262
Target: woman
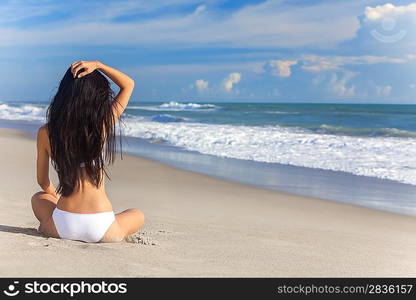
79, 137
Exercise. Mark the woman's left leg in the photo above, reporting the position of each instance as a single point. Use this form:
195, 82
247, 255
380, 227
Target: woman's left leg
43, 205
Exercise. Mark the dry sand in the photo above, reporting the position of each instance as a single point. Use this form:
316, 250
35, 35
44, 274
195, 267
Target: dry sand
199, 226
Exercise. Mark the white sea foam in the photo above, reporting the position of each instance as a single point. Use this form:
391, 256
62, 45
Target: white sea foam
26, 112
383, 157
380, 156
339, 130
177, 106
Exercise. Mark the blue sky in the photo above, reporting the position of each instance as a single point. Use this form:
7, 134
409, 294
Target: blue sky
211, 51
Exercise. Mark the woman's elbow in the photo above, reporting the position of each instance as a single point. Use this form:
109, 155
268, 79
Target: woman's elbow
128, 85
131, 83
44, 184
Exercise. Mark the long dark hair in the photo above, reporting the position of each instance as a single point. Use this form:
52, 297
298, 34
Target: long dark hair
81, 128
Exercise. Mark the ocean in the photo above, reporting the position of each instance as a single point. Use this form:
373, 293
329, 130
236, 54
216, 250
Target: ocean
372, 141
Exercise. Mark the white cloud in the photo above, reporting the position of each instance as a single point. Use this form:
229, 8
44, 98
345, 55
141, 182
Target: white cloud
201, 85
191, 70
268, 24
278, 24
231, 80
383, 90
200, 9
317, 63
390, 24
280, 68
338, 84
388, 10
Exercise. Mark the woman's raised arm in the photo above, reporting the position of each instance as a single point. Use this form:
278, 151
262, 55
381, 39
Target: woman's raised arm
125, 83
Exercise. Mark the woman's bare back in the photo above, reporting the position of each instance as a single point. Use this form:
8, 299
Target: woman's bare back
85, 212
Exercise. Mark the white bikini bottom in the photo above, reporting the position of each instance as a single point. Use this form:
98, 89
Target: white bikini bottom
89, 228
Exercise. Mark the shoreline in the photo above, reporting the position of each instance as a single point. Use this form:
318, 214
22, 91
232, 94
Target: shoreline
329, 185
371, 192
201, 226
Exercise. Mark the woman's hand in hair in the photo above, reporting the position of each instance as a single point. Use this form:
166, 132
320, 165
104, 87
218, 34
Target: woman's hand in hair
87, 66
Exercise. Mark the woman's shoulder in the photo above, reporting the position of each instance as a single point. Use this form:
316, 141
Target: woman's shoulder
43, 138
43, 131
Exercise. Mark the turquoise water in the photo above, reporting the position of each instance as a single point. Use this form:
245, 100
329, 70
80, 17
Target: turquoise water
341, 119
307, 149
369, 140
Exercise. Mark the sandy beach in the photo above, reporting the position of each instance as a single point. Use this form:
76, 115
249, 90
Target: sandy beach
200, 226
